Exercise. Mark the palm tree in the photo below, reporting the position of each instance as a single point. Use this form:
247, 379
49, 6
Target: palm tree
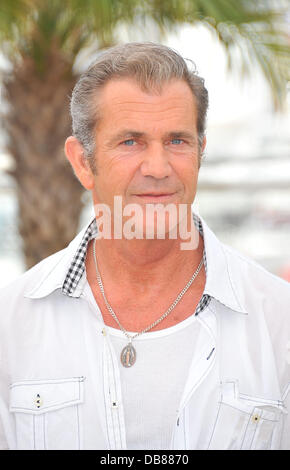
42, 39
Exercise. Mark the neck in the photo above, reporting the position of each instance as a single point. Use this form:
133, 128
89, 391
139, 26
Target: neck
140, 274
145, 262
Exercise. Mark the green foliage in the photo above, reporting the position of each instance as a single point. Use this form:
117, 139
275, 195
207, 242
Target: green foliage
256, 28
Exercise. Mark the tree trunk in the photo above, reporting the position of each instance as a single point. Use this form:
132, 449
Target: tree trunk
38, 122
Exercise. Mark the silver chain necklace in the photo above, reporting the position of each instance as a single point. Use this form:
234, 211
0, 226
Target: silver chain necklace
128, 354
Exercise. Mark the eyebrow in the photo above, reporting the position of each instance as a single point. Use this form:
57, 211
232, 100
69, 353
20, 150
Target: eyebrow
181, 135
125, 134
128, 133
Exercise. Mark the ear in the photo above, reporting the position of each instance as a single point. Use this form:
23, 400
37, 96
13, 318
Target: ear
75, 154
200, 155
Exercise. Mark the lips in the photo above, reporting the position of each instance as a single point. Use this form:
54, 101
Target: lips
154, 194
153, 197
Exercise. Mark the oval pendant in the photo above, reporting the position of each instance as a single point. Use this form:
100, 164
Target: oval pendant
128, 356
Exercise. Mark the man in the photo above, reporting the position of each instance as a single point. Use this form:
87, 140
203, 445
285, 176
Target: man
128, 339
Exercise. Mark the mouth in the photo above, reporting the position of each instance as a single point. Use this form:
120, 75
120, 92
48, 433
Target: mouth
154, 196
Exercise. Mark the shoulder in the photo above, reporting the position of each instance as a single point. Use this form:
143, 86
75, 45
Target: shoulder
267, 299
46, 275
262, 293
12, 296
251, 275
258, 289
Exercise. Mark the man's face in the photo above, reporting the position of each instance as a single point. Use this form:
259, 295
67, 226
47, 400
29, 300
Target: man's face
146, 144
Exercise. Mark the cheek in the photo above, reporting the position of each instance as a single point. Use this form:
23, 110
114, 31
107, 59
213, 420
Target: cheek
113, 179
186, 169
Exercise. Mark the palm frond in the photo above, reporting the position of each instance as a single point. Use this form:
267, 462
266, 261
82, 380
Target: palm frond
256, 29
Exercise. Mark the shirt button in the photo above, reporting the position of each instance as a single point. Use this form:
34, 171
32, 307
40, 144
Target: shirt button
255, 418
38, 401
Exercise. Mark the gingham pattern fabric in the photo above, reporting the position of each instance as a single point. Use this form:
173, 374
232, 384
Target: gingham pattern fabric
77, 266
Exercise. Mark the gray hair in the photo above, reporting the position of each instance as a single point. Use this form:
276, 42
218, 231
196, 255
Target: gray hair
151, 65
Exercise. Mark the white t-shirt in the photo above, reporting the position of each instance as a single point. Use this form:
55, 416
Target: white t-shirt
153, 386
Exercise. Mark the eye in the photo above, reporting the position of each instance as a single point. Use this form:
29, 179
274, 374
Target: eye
129, 142
177, 141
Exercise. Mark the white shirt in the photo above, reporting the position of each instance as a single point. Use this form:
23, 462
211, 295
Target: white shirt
60, 383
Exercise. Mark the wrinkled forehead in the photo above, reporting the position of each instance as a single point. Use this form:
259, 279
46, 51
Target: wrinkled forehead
123, 99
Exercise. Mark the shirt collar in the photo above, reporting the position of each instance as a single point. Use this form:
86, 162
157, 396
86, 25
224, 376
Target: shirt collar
54, 269
219, 283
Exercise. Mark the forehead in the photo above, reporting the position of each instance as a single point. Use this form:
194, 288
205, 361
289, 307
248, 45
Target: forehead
123, 103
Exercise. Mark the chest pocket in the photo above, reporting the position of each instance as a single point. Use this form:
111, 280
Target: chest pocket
245, 422
47, 413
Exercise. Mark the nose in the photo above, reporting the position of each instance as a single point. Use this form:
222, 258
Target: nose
155, 162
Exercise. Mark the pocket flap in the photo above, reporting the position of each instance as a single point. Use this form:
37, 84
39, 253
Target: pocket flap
270, 409
41, 396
